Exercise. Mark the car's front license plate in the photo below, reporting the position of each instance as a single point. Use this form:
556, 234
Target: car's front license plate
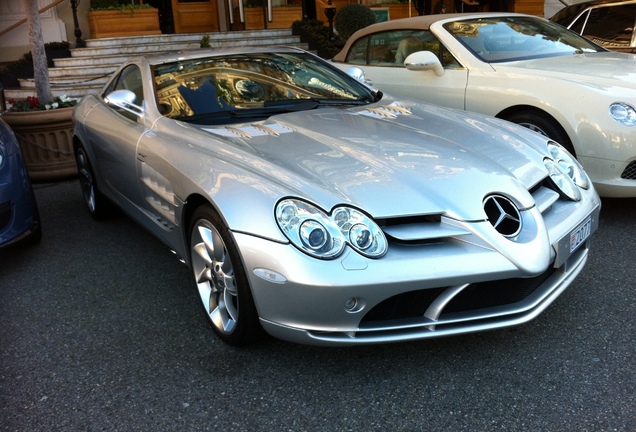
580, 234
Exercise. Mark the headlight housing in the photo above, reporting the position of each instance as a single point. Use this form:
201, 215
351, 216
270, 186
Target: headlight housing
565, 171
623, 113
325, 236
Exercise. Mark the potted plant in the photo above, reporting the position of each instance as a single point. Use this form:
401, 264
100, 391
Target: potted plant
114, 18
23, 67
43, 124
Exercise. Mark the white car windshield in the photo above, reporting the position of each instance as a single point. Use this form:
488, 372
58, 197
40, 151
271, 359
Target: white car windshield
502, 39
252, 84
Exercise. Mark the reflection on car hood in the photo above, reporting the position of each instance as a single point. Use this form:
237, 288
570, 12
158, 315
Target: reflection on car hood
617, 68
389, 160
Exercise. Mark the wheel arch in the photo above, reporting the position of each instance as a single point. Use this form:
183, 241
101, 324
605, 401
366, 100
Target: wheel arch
516, 109
192, 203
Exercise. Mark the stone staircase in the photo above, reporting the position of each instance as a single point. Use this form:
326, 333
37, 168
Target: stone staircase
86, 71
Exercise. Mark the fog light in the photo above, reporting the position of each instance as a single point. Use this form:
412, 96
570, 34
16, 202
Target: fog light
354, 304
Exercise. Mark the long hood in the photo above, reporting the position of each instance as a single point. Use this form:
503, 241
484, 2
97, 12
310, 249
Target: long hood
389, 161
611, 68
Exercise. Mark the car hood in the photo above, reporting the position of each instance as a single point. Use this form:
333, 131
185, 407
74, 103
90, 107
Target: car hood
602, 67
389, 162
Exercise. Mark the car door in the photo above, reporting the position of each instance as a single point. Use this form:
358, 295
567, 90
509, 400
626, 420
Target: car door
381, 57
114, 135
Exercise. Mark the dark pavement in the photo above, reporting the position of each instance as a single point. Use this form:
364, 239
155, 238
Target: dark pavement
101, 330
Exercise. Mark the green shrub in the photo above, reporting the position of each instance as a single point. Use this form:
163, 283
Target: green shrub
23, 67
316, 35
352, 17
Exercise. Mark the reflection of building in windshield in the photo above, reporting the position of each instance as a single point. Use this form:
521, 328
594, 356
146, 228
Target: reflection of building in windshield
194, 87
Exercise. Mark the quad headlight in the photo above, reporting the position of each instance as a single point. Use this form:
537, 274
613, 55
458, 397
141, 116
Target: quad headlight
565, 171
325, 236
623, 113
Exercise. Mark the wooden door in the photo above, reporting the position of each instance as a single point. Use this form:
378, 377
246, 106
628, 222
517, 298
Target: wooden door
195, 16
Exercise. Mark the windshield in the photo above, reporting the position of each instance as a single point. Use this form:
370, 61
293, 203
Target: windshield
263, 83
503, 39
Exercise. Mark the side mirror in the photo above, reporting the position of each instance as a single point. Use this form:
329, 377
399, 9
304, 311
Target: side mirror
424, 60
124, 99
356, 73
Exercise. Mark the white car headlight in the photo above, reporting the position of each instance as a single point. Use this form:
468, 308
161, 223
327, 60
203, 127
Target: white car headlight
623, 113
323, 236
569, 165
561, 179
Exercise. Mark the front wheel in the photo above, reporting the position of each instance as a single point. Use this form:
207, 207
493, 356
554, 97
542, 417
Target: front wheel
221, 280
98, 206
542, 123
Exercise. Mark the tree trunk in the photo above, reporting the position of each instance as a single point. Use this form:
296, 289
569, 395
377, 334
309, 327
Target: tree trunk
40, 68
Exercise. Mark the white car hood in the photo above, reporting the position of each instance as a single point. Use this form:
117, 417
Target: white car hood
385, 164
604, 67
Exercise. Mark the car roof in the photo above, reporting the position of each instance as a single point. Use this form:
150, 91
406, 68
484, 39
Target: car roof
574, 10
419, 22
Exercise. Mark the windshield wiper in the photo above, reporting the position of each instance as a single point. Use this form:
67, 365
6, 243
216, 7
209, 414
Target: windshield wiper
305, 104
239, 114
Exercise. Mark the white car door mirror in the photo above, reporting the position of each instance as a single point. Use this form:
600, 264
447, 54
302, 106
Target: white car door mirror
424, 60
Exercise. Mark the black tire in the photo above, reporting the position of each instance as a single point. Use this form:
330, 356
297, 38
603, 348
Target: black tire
221, 281
98, 206
544, 124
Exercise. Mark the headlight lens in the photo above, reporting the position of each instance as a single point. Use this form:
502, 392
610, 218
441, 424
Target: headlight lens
568, 165
324, 236
562, 180
623, 113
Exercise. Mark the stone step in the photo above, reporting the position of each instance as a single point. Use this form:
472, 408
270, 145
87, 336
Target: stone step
114, 55
88, 69
175, 46
187, 37
75, 91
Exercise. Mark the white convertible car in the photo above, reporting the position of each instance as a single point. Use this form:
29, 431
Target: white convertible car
516, 67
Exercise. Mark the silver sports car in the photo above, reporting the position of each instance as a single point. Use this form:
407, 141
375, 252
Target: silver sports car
311, 206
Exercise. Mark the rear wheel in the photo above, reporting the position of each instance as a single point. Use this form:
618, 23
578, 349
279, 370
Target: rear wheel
98, 206
542, 123
221, 280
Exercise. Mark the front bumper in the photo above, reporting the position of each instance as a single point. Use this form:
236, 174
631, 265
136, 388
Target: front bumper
19, 218
414, 292
607, 176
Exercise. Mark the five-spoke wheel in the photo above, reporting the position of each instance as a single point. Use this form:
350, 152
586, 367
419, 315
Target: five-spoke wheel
221, 280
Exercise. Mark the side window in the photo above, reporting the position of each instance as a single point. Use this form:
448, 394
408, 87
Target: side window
391, 48
382, 48
577, 26
611, 25
418, 40
358, 52
129, 79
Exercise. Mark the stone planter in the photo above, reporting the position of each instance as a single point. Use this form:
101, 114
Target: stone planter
127, 22
46, 142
